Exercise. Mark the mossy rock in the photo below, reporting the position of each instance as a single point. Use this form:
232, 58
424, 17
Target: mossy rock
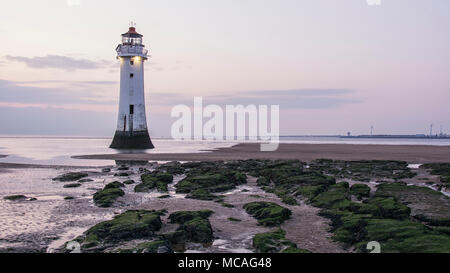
181, 217
18, 197
275, 242
427, 205
310, 191
128, 182
337, 197
154, 180
360, 191
106, 197
389, 208
267, 213
201, 194
173, 168
364, 170
85, 180
406, 237
121, 174
226, 205
114, 185
132, 224
262, 181
72, 185
202, 186
194, 225
289, 200
71, 176
165, 196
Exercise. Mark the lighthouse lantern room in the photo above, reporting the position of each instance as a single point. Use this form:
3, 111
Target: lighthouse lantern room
131, 132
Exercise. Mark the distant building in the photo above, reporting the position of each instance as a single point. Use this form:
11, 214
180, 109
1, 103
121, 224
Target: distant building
131, 132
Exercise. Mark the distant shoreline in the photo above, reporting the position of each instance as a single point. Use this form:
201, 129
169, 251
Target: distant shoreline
306, 152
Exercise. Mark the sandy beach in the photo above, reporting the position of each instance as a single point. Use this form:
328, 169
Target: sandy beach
47, 218
306, 152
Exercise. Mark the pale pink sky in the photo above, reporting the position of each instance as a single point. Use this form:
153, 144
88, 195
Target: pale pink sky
333, 66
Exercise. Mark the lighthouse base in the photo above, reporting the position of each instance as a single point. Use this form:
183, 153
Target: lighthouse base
134, 140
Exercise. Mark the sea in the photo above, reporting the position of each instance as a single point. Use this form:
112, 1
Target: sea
52, 150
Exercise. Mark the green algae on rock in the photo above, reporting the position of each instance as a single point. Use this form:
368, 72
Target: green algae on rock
267, 213
203, 186
106, 197
72, 185
364, 170
132, 224
427, 205
154, 180
194, 227
275, 242
71, 176
360, 191
17, 197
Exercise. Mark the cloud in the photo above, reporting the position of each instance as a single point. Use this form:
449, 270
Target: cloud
58, 62
287, 99
78, 92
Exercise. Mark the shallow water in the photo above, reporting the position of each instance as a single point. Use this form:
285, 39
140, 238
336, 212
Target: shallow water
59, 150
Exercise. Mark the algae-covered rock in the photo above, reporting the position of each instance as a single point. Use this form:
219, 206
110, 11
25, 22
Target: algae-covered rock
275, 242
106, 197
203, 186
405, 237
389, 208
71, 176
18, 197
310, 191
441, 169
183, 216
154, 180
132, 224
212, 182
201, 194
173, 168
360, 191
114, 185
121, 174
427, 205
85, 180
72, 185
267, 213
194, 227
337, 197
363, 170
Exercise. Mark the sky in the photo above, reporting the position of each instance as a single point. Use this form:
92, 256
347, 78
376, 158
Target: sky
332, 66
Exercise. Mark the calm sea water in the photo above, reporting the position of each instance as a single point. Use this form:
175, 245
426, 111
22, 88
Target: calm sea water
59, 150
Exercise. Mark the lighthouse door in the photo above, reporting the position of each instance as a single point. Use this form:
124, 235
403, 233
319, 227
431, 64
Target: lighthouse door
131, 118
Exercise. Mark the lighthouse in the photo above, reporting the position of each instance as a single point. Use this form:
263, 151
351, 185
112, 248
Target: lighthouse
131, 132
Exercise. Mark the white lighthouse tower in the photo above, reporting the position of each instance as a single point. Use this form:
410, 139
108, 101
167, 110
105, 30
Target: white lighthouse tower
131, 132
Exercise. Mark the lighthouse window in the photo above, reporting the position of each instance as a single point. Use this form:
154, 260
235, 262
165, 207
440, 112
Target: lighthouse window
131, 75
131, 109
131, 62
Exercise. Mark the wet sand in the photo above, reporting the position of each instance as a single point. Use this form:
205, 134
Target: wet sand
306, 152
